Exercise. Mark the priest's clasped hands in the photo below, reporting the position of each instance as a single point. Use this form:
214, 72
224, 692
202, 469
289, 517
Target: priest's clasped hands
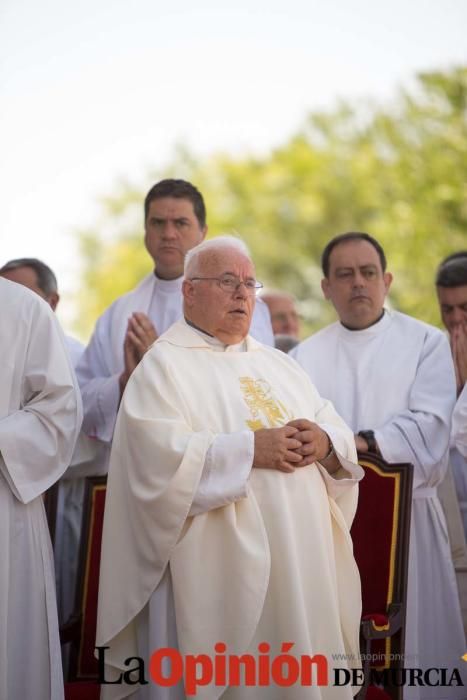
459, 354
139, 337
297, 444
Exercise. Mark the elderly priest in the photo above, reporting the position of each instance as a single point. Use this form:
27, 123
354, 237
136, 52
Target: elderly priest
232, 487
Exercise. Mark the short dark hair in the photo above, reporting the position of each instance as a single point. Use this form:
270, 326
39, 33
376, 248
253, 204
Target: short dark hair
180, 189
46, 280
452, 271
351, 236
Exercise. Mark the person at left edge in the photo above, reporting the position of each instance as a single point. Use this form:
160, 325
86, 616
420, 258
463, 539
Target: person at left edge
89, 456
40, 418
175, 222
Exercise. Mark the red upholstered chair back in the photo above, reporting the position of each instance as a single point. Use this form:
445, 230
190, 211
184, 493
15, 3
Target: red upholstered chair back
83, 665
380, 533
374, 533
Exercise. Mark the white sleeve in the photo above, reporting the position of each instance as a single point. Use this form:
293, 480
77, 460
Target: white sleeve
349, 473
225, 473
100, 389
90, 458
37, 439
341, 437
420, 434
459, 423
342, 486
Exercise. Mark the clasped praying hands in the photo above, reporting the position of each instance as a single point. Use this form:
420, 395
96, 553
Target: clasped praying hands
296, 444
140, 335
459, 354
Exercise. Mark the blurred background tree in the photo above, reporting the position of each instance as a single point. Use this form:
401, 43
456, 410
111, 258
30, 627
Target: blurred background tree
398, 172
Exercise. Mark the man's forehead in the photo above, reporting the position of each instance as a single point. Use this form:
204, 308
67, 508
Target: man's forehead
229, 261
171, 206
453, 295
357, 253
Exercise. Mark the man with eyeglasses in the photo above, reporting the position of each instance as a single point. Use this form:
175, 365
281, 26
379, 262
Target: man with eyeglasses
175, 222
391, 378
232, 487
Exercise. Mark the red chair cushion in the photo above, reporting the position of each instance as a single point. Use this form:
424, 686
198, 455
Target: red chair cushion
377, 619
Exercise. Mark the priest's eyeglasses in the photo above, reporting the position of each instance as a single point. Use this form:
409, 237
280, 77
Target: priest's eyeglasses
230, 283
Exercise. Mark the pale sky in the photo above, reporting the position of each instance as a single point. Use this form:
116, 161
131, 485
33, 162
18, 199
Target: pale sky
93, 92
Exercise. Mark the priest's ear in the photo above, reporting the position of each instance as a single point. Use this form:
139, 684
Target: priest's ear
387, 279
52, 299
325, 287
188, 289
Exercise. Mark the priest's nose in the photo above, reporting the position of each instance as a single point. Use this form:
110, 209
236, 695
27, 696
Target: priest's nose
170, 230
359, 280
241, 291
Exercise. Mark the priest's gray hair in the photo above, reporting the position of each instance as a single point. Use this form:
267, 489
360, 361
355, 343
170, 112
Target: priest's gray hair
192, 258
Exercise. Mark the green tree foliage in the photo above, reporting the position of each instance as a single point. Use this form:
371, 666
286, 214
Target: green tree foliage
397, 172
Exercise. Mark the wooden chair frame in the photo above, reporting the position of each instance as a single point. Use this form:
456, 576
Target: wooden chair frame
73, 630
394, 631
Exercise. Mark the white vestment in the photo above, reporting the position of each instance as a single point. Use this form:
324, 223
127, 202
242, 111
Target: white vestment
40, 417
101, 365
459, 451
270, 563
458, 461
396, 378
89, 459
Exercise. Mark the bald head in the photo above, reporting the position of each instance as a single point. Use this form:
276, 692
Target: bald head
284, 316
219, 288
215, 246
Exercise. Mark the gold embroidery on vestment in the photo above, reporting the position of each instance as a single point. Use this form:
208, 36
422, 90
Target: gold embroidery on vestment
266, 410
